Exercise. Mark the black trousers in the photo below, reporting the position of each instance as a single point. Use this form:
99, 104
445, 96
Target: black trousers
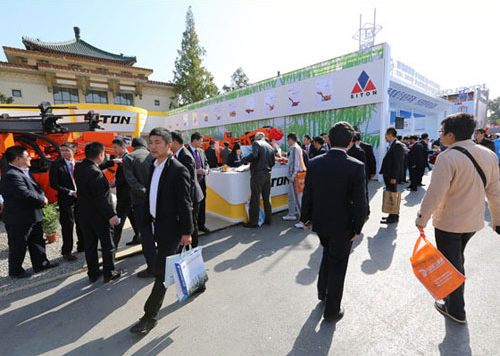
93, 232
19, 237
146, 232
202, 205
260, 184
124, 211
336, 250
391, 188
416, 175
452, 246
68, 218
419, 174
194, 235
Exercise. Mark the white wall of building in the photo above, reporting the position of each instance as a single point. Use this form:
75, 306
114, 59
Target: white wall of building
33, 87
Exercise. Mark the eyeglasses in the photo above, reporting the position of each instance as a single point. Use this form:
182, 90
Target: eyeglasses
441, 131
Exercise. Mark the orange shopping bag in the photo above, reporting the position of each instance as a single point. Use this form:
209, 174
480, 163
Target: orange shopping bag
433, 270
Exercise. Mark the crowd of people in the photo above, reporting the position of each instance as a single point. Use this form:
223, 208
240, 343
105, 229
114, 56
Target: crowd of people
161, 189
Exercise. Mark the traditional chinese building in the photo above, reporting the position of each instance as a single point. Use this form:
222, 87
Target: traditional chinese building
77, 72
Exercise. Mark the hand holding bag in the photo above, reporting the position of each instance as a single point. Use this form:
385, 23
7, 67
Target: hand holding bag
433, 270
300, 177
190, 274
391, 202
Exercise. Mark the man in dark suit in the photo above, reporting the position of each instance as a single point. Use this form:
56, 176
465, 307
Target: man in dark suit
326, 139
357, 152
211, 155
224, 154
136, 169
480, 138
61, 179
308, 146
123, 199
392, 167
417, 161
169, 209
181, 153
371, 162
319, 145
334, 202
95, 209
202, 169
22, 214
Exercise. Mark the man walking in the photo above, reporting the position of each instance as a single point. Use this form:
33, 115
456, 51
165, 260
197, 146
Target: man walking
335, 203
61, 177
123, 200
417, 161
22, 214
136, 169
262, 161
169, 209
96, 212
463, 176
202, 169
295, 165
392, 167
181, 153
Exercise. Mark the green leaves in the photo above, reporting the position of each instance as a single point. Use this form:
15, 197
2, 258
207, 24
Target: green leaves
4, 99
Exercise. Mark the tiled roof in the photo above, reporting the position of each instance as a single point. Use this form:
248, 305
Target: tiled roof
161, 83
77, 48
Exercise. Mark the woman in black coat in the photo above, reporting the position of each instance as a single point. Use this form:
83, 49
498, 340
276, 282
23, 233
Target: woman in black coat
234, 158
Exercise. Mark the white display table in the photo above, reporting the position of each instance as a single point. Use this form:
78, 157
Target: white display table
228, 192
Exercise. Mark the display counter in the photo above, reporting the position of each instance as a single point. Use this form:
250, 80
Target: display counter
228, 192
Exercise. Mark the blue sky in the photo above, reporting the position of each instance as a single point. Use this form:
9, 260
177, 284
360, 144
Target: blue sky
449, 42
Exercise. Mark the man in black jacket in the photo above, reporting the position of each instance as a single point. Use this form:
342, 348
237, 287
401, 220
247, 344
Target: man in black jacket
334, 202
182, 154
22, 214
61, 180
480, 138
136, 169
357, 152
319, 147
308, 147
417, 161
123, 199
261, 164
371, 162
169, 208
96, 212
392, 167
202, 170
211, 155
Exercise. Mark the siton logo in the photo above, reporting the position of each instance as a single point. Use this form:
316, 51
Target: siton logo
363, 87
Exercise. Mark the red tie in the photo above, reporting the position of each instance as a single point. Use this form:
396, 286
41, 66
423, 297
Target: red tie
72, 165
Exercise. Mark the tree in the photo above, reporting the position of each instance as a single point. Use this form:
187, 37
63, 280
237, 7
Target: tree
6, 99
494, 111
192, 81
238, 80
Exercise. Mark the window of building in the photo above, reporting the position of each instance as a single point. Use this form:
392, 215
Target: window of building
65, 96
43, 61
75, 66
96, 97
16, 93
124, 99
157, 102
22, 60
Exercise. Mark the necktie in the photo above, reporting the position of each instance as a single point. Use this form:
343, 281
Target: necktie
198, 163
307, 150
72, 165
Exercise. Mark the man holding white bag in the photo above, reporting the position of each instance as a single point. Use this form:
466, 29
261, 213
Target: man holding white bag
169, 209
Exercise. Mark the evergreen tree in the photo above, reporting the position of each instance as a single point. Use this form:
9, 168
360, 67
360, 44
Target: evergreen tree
193, 82
494, 111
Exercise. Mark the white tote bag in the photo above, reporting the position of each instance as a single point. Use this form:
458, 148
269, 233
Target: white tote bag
169, 266
190, 274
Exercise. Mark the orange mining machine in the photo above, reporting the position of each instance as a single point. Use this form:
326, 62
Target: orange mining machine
42, 135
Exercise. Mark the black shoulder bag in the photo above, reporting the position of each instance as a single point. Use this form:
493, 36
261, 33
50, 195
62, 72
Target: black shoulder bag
474, 162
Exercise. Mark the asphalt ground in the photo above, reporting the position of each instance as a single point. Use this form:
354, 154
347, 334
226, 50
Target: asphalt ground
261, 299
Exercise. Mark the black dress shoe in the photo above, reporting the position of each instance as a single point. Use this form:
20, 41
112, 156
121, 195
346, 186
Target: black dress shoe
322, 296
204, 229
133, 242
46, 265
80, 249
94, 278
250, 226
267, 223
143, 326
114, 275
422, 185
145, 274
69, 257
21, 275
334, 317
390, 221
